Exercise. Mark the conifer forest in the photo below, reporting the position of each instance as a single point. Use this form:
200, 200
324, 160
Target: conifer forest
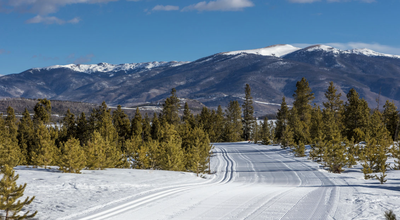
339, 134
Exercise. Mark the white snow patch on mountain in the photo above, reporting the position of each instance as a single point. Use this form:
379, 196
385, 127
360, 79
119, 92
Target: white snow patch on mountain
364, 51
275, 50
106, 67
371, 53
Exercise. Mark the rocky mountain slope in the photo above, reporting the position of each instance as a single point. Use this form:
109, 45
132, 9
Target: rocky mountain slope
272, 72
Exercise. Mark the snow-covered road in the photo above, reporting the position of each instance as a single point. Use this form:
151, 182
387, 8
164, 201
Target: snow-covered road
252, 182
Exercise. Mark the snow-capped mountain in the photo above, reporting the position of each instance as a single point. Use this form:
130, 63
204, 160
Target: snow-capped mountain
272, 72
111, 68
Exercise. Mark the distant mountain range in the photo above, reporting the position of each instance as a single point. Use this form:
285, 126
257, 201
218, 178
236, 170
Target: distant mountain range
272, 72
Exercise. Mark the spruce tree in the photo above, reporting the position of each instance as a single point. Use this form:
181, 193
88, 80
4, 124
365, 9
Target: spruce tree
170, 109
11, 124
391, 118
356, 116
146, 130
136, 124
333, 103
266, 132
233, 125
10, 195
170, 146
42, 111
219, 124
25, 137
72, 159
122, 126
317, 124
155, 128
69, 129
248, 113
282, 118
302, 100
287, 138
186, 113
82, 129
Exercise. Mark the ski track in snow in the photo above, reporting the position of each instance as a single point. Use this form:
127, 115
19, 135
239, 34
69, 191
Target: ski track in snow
251, 182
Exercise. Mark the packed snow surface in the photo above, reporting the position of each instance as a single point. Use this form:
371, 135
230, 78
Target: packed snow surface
106, 67
250, 182
275, 50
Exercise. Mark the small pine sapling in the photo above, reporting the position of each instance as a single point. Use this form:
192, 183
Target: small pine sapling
10, 208
389, 215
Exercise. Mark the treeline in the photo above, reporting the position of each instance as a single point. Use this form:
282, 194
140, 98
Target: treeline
340, 133
106, 139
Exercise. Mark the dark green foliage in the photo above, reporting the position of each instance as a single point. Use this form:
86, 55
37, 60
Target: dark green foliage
42, 111
391, 118
248, 113
122, 124
156, 128
282, 118
356, 116
25, 137
302, 100
136, 124
233, 123
171, 108
146, 130
389, 215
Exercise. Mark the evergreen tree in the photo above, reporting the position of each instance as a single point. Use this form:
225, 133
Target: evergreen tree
100, 154
122, 125
391, 118
356, 116
10, 194
10, 153
186, 113
42, 111
170, 146
82, 129
45, 151
266, 132
317, 124
333, 103
146, 130
282, 117
171, 108
335, 153
136, 125
287, 138
248, 113
218, 124
255, 134
302, 100
11, 124
389, 215
299, 150
233, 127
25, 137
199, 148
155, 128
72, 159
69, 128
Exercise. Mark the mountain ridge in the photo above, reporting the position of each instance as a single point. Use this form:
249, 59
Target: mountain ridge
272, 72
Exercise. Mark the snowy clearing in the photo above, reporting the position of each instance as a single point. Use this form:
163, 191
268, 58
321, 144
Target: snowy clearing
252, 182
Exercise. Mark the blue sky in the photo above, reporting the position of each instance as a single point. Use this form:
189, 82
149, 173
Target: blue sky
40, 33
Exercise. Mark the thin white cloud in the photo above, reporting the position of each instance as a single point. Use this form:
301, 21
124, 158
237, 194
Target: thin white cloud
165, 8
80, 60
51, 20
304, 1
220, 5
359, 45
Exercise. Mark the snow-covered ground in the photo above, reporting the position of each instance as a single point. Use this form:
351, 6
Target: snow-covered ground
251, 182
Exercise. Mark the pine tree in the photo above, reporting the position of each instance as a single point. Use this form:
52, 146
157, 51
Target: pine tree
146, 130
233, 122
255, 134
10, 153
100, 154
122, 126
45, 151
25, 137
69, 126
266, 132
334, 103
302, 100
391, 118
282, 117
155, 128
11, 124
10, 194
356, 116
42, 111
389, 215
171, 108
186, 113
199, 148
82, 129
72, 159
287, 138
170, 146
299, 150
335, 153
317, 124
136, 124
248, 113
